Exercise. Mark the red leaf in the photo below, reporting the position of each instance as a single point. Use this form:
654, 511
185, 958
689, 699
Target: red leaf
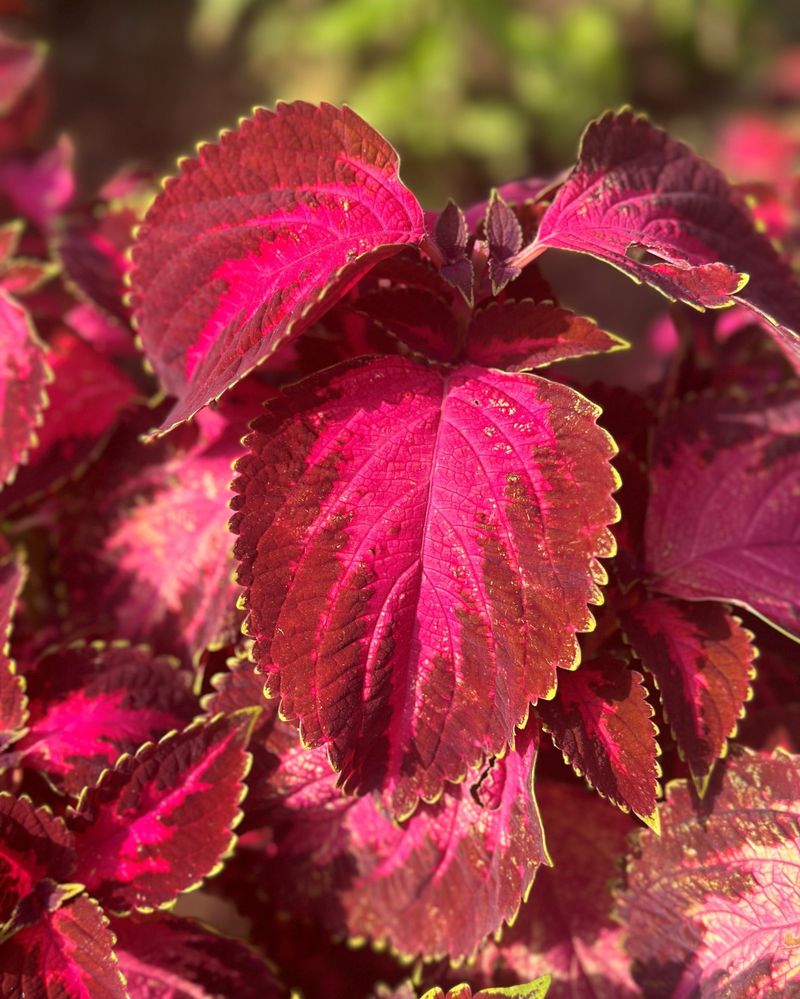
422, 320
67, 953
602, 723
23, 377
13, 702
163, 957
723, 521
702, 660
257, 237
712, 906
566, 928
388, 515
161, 821
635, 191
527, 334
89, 704
436, 885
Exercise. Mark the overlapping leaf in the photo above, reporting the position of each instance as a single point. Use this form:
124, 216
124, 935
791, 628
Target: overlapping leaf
602, 723
162, 820
723, 521
436, 885
238, 251
389, 514
89, 704
636, 192
13, 701
713, 905
702, 660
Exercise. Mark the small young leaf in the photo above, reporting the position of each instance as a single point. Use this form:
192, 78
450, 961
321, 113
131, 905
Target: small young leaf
602, 723
389, 514
504, 238
451, 238
161, 821
729, 469
702, 660
257, 237
712, 906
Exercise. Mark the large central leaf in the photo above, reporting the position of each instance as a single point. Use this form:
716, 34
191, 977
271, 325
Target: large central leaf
418, 547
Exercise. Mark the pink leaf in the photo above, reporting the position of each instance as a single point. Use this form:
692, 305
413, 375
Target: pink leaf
161, 821
89, 704
527, 334
163, 956
67, 953
388, 514
566, 928
635, 192
602, 723
39, 186
23, 377
13, 702
257, 237
723, 521
702, 660
713, 905
435, 885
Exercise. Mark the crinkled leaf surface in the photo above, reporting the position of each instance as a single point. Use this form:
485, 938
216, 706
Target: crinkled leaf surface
712, 907
239, 250
163, 956
702, 660
723, 521
435, 885
13, 702
161, 821
23, 377
527, 334
636, 192
68, 953
602, 723
89, 704
566, 929
389, 515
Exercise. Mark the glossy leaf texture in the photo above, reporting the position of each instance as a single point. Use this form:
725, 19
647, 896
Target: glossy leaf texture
723, 521
161, 821
13, 701
89, 704
258, 235
602, 723
636, 193
23, 380
389, 513
702, 660
66, 953
712, 906
566, 928
435, 885
164, 956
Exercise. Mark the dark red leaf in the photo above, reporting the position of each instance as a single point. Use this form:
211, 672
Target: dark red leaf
389, 514
161, 821
22, 95
257, 237
504, 239
13, 702
713, 905
702, 660
602, 723
451, 238
420, 319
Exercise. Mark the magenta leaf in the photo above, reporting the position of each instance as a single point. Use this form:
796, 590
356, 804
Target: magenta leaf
702, 660
163, 956
713, 905
518, 335
728, 470
67, 953
39, 186
388, 513
635, 193
504, 239
89, 704
435, 885
602, 723
23, 377
258, 236
566, 927
161, 821
13, 700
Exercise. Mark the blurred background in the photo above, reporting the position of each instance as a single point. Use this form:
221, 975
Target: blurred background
472, 92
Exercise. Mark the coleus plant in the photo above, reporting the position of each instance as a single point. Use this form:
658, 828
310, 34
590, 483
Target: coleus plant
357, 671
